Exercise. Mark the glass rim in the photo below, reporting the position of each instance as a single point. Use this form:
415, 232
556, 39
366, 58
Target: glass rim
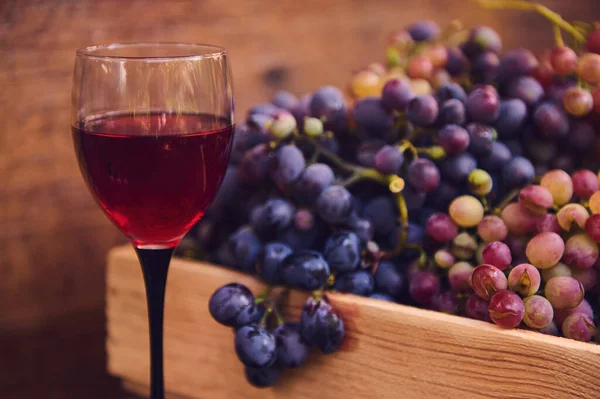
195, 51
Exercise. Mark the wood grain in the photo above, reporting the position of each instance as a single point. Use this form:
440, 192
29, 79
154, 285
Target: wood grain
390, 350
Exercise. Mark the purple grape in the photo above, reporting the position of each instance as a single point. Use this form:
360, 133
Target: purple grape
270, 264
456, 168
481, 138
477, 308
584, 307
556, 92
481, 39
362, 227
342, 251
441, 197
422, 110
497, 254
313, 180
518, 172
228, 302
457, 62
292, 350
423, 30
414, 199
302, 110
581, 136
453, 139
321, 326
511, 118
483, 104
272, 217
551, 120
451, 91
372, 117
254, 165
263, 377
365, 153
526, 89
445, 302
388, 160
424, 287
396, 94
381, 211
327, 102
388, 280
357, 283
441, 228
286, 166
423, 175
285, 99
334, 205
516, 63
498, 156
255, 346
267, 109
452, 112
484, 67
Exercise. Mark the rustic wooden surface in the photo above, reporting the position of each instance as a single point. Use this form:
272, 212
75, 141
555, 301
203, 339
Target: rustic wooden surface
53, 237
390, 350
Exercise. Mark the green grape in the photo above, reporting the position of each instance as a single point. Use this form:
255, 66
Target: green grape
466, 211
480, 182
443, 258
560, 185
464, 246
313, 127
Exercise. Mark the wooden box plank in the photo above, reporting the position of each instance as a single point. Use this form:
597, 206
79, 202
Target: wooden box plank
391, 351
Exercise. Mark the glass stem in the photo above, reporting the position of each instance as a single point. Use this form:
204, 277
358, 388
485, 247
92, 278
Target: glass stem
155, 267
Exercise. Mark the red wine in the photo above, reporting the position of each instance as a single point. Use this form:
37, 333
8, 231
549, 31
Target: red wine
155, 174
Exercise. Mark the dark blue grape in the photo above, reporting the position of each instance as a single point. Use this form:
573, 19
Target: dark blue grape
255, 346
499, 156
362, 227
456, 168
372, 117
228, 302
305, 270
414, 199
252, 314
481, 138
457, 62
441, 197
396, 94
300, 240
527, 89
518, 172
263, 377
313, 180
581, 136
388, 280
388, 160
422, 110
423, 175
451, 91
423, 215
245, 248
286, 166
328, 103
254, 165
484, 67
515, 147
259, 122
357, 283
264, 109
551, 120
453, 138
382, 297
292, 350
270, 264
365, 153
381, 211
481, 39
272, 217
415, 234
285, 99
483, 104
452, 112
516, 63
511, 119
334, 205
423, 30
321, 326
342, 251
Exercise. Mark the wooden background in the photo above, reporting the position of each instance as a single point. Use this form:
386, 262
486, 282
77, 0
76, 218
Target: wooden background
53, 238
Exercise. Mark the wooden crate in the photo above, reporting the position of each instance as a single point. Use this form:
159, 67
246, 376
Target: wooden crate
391, 351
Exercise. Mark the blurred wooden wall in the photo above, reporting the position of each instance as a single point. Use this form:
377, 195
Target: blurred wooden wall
53, 238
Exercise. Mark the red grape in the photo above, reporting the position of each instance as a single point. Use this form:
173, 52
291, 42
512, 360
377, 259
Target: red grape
572, 215
536, 199
549, 223
487, 280
560, 185
587, 277
466, 211
506, 309
464, 246
588, 68
517, 219
560, 269
564, 292
443, 258
497, 254
580, 252
538, 312
477, 308
544, 73
592, 227
492, 228
424, 286
524, 279
420, 67
545, 250
578, 101
579, 327
459, 275
396, 94
563, 60
422, 110
423, 175
585, 183
483, 104
592, 42
584, 307
441, 228
388, 159
437, 54
453, 138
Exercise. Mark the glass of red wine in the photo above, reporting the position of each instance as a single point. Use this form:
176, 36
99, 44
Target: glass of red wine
152, 126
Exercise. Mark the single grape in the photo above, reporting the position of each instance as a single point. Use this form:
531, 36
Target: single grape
572, 216
327, 102
497, 254
372, 116
255, 346
263, 377
587, 277
228, 302
362, 227
381, 211
545, 250
321, 326
581, 252
477, 308
516, 63
538, 312
560, 269
588, 68
441, 228
267, 109
396, 94
483, 104
487, 280
272, 217
358, 283
595, 203
551, 120
313, 127
313, 180
464, 246
582, 136
269, 266
453, 138
382, 297
286, 165
564, 60
252, 314
438, 54
365, 153
579, 327
443, 258
544, 72
526, 89
517, 219
451, 91
564, 292
584, 307
423, 30
585, 183
559, 184
422, 110
302, 109
498, 156
421, 87
305, 270
388, 280
550, 329
484, 67
466, 211
452, 112
388, 160
420, 67
547, 223
254, 165
578, 101
245, 248
457, 62
282, 125
492, 228
284, 99
506, 309
292, 350
334, 204
424, 287
459, 275
342, 251
536, 199
365, 83
518, 172
481, 138
423, 175
456, 168
524, 279
482, 38
480, 182
445, 302
592, 227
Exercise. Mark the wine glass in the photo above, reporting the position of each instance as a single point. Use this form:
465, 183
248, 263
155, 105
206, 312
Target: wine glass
152, 126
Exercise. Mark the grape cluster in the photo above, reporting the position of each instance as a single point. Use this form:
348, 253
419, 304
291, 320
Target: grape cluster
455, 177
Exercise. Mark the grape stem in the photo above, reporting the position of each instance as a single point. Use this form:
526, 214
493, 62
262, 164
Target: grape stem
265, 317
550, 15
263, 295
407, 145
403, 220
507, 200
558, 36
